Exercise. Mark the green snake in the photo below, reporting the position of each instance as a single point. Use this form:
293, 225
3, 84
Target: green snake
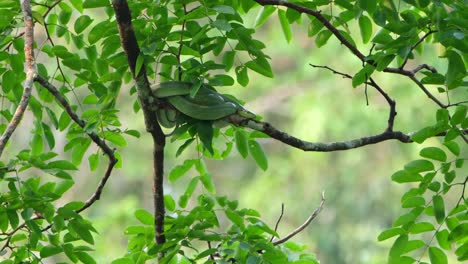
207, 104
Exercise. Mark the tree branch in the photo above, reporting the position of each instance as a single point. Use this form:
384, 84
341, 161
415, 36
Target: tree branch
30, 73
148, 104
321, 18
94, 137
304, 225
317, 146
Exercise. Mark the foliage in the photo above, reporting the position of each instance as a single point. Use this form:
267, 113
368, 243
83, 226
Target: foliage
209, 42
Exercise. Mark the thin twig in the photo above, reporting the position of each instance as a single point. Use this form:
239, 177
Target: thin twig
415, 45
30, 73
304, 225
279, 220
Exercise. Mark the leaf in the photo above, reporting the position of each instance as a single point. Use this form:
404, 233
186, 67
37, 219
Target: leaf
82, 230
242, 76
285, 25
242, 143
169, 202
85, 257
224, 9
458, 233
228, 59
257, 153
363, 75
184, 146
439, 208
453, 147
179, 170
419, 166
390, 233
456, 70
433, 153
144, 217
93, 161
442, 239
114, 137
263, 14
62, 165
413, 202
459, 115
398, 246
430, 131
82, 23
207, 180
402, 176
437, 256
205, 133
95, 3
421, 227
260, 65
49, 250
235, 218
139, 64
365, 25
322, 37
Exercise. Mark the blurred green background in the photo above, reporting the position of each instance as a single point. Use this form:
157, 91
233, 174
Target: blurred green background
312, 104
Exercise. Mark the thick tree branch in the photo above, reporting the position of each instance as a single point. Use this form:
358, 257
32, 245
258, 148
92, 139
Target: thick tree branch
148, 104
30, 68
303, 226
94, 137
317, 146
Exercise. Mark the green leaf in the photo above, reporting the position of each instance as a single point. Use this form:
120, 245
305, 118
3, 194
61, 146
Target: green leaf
285, 25
458, 233
459, 115
390, 233
93, 161
139, 63
207, 180
413, 202
363, 75
235, 218
442, 239
228, 59
205, 133
417, 166
260, 65
95, 3
257, 153
439, 208
85, 257
402, 176
456, 70
224, 9
62, 165
82, 23
82, 230
453, 147
398, 246
263, 14
169, 202
184, 146
365, 25
114, 137
437, 256
242, 76
421, 227
242, 143
144, 217
179, 170
49, 250
322, 37
434, 153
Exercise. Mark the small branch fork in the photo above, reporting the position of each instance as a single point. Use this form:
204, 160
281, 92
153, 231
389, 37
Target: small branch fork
30, 73
303, 226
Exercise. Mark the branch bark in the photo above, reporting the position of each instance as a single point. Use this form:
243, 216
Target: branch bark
30, 73
148, 105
